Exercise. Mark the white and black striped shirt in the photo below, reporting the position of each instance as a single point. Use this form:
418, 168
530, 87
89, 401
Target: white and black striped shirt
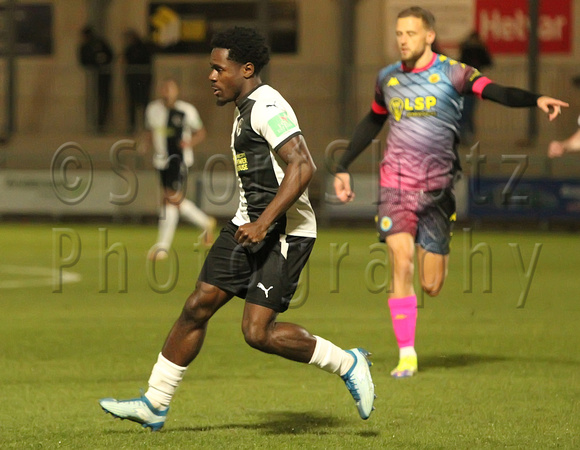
169, 126
264, 122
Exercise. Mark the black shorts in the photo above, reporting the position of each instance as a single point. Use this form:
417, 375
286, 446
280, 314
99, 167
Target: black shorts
266, 277
174, 177
428, 216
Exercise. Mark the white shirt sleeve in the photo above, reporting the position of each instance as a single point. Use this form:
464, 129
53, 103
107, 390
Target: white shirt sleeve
193, 118
155, 122
148, 112
193, 124
275, 121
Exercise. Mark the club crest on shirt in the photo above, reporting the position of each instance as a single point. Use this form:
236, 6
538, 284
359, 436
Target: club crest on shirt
434, 78
239, 126
177, 121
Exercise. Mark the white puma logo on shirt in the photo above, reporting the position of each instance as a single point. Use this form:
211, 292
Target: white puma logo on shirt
261, 286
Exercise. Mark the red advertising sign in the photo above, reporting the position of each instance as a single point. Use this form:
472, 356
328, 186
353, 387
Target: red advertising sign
504, 25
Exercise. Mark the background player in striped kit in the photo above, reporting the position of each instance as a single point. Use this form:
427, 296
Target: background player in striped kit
421, 96
174, 128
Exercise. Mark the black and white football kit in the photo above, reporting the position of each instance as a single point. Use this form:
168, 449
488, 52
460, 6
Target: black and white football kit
267, 275
170, 126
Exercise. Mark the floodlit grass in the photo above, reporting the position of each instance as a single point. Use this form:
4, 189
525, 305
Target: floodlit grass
491, 375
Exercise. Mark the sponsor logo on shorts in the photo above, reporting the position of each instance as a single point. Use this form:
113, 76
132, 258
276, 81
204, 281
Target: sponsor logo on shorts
266, 291
386, 223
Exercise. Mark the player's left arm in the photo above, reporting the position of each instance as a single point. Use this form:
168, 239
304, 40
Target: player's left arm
470, 81
551, 106
298, 174
514, 97
196, 138
518, 98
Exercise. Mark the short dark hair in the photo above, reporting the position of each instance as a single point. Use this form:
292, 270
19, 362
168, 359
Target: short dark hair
416, 11
244, 45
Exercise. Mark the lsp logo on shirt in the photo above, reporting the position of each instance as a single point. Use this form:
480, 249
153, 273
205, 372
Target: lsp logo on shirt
419, 106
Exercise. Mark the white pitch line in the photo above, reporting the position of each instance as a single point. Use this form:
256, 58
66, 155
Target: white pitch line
34, 276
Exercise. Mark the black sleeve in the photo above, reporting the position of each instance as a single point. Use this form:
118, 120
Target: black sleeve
510, 96
365, 131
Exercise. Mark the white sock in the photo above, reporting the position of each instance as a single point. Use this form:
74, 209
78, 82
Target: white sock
193, 214
331, 358
167, 226
165, 377
407, 351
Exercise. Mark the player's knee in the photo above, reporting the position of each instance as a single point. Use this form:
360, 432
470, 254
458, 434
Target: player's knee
404, 267
255, 336
196, 310
432, 289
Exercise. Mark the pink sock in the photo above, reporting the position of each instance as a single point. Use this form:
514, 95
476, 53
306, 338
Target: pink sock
404, 315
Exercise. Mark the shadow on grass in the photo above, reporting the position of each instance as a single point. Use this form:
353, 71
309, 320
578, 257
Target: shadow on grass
456, 360
286, 422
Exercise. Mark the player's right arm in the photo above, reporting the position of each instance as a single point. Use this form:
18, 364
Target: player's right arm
366, 130
299, 171
145, 143
195, 124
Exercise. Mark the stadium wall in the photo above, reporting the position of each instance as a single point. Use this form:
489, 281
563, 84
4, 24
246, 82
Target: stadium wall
51, 90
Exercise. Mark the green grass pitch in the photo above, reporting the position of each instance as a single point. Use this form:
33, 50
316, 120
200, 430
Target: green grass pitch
491, 374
